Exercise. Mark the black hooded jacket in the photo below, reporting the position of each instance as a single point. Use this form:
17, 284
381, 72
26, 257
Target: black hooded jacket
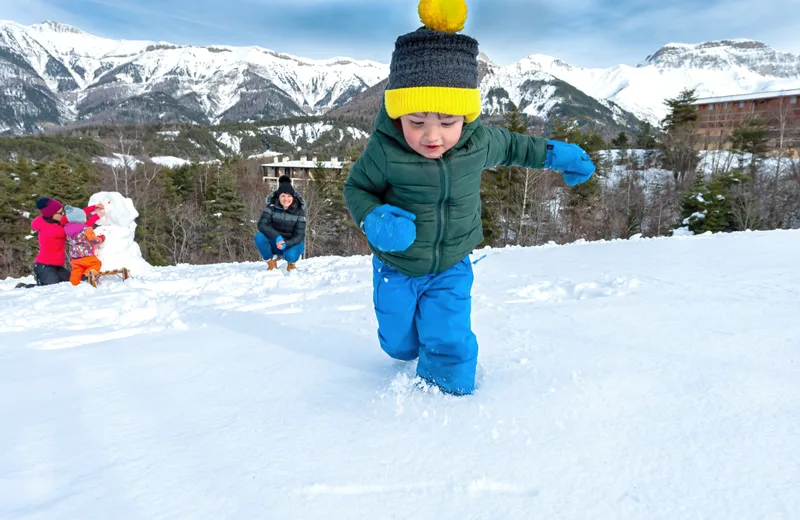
290, 224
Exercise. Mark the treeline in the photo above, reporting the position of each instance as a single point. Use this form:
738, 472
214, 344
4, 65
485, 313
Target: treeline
649, 183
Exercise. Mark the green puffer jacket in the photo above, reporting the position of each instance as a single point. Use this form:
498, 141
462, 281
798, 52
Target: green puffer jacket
444, 194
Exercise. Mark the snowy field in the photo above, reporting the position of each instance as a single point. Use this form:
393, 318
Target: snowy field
644, 379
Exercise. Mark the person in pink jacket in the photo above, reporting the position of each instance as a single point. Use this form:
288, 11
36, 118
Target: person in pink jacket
49, 268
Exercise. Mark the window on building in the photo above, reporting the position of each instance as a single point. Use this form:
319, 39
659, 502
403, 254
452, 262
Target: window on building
741, 104
711, 106
725, 105
793, 99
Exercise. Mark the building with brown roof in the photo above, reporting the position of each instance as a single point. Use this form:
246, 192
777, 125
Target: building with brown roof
718, 117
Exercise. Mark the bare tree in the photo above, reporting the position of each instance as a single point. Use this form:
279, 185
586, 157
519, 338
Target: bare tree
129, 148
780, 119
680, 154
186, 232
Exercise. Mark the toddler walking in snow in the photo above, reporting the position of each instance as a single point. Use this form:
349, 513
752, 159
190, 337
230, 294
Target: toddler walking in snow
415, 192
82, 241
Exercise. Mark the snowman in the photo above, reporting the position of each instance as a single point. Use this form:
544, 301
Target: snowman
118, 224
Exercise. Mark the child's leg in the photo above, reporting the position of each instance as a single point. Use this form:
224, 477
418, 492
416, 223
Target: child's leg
394, 296
93, 264
78, 268
265, 246
293, 254
449, 349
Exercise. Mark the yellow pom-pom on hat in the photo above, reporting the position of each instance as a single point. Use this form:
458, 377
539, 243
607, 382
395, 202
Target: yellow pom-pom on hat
443, 15
435, 68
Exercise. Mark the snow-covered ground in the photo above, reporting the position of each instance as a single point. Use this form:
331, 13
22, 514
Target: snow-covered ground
120, 161
170, 161
642, 379
711, 162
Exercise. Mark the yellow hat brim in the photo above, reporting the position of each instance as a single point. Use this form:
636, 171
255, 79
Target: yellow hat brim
444, 100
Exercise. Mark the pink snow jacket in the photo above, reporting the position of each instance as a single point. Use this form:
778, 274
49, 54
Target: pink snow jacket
82, 240
52, 238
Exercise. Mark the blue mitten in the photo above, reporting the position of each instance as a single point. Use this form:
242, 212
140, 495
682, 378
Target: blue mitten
390, 228
278, 241
574, 164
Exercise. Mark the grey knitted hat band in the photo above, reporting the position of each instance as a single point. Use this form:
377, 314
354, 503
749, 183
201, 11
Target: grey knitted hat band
434, 59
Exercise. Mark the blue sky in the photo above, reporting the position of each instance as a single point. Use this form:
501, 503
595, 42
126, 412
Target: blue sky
588, 33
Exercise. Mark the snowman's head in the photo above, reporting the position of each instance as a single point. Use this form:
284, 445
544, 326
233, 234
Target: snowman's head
119, 210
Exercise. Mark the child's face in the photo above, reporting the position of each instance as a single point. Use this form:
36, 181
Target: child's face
431, 134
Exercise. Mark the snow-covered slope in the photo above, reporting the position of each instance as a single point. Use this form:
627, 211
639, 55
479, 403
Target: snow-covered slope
649, 379
307, 133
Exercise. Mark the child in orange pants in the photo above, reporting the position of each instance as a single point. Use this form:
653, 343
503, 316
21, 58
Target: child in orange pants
82, 241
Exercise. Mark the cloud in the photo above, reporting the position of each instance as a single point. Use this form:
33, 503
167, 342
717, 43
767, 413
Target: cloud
36, 11
589, 33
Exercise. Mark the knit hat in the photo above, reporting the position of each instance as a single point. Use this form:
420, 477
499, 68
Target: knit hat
285, 186
75, 215
48, 207
433, 69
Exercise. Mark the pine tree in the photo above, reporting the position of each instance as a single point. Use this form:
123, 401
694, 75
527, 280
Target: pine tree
682, 110
646, 140
560, 131
225, 213
66, 183
707, 206
679, 143
750, 138
515, 121
16, 211
620, 142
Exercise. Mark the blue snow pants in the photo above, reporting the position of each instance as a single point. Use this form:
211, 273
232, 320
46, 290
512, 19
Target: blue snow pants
267, 247
429, 317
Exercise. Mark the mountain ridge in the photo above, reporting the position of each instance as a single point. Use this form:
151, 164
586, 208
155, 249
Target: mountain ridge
54, 74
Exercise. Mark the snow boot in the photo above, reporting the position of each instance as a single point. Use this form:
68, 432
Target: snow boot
290, 267
272, 264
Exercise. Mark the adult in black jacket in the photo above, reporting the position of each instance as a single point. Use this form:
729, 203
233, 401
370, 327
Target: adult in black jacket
282, 226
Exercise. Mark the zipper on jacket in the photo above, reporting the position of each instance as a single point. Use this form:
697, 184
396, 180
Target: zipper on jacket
441, 222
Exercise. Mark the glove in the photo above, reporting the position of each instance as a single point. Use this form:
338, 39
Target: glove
574, 164
101, 238
390, 228
278, 243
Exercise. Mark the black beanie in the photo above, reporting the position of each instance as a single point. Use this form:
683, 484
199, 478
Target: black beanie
434, 69
285, 186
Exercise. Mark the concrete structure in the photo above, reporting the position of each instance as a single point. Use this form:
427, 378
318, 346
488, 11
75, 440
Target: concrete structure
779, 110
301, 172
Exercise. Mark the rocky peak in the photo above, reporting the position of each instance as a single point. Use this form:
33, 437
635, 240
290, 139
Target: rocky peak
725, 55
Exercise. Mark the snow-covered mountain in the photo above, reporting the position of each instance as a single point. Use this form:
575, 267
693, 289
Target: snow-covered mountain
52, 74
545, 87
716, 68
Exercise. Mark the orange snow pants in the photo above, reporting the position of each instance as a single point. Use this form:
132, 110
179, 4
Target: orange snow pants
81, 265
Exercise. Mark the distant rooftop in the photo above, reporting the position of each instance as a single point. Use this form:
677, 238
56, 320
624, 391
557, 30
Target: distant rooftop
304, 162
746, 97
